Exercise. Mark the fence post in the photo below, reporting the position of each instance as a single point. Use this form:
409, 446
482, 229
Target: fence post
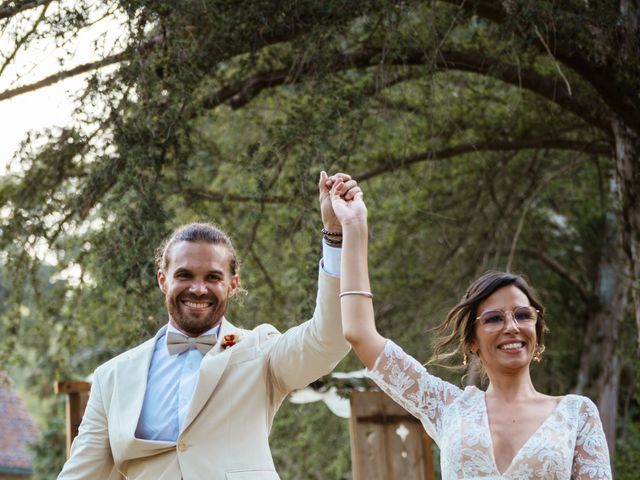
77, 397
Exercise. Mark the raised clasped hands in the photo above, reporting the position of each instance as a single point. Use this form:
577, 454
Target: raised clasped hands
340, 201
348, 205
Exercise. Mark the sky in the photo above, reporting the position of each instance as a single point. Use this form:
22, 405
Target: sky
51, 106
37, 110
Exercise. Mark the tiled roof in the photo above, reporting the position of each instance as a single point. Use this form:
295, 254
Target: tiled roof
17, 429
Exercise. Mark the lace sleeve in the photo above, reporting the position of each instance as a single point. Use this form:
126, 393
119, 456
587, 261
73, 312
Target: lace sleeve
591, 455
407, 382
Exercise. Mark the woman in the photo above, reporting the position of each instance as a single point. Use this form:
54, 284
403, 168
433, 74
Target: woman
510, 431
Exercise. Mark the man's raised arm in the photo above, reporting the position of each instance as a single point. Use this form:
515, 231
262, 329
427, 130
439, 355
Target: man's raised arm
306, 352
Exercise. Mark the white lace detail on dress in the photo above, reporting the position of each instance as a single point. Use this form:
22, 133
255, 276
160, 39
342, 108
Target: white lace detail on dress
570, 441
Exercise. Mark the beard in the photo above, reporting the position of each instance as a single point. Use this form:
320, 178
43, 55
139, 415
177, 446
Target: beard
196, 324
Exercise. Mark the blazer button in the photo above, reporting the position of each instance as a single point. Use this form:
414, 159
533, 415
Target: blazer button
182, 446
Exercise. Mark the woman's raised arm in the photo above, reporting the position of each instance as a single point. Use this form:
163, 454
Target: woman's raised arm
358, 321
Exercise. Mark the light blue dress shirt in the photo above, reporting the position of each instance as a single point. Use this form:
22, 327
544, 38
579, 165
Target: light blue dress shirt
171, 382
172, 379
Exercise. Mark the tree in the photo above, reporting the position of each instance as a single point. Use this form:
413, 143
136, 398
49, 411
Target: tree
597, 42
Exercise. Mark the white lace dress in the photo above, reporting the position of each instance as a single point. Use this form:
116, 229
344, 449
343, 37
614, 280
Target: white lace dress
569, 442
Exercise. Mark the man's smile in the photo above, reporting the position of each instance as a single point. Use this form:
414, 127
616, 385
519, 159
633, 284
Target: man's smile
198, 305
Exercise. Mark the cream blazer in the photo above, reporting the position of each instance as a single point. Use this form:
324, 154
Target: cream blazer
226, 430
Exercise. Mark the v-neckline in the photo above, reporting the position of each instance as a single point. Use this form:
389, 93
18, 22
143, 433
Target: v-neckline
517, 454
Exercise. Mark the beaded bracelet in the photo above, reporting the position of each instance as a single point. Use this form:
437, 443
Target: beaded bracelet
326, 232
331, 242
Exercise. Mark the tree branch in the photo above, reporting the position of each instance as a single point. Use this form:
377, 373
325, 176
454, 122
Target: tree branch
527, 201
616, 88
6, 12
389, 164
24, 38
275, 292
247, 89
578, 103
63, 75
398, 105
232, 197
243, 91
560, 270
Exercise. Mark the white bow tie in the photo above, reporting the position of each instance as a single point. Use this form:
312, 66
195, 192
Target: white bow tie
178, 343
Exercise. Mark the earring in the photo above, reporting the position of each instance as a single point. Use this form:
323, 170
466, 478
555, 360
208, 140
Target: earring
537, 353
465, 359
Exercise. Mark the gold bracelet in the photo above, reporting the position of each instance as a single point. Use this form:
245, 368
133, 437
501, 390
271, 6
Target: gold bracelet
364, 293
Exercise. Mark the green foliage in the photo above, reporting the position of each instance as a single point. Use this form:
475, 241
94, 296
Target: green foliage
50, 449
627, 460
295, 446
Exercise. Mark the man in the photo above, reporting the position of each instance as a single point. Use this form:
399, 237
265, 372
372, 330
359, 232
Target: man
196, 402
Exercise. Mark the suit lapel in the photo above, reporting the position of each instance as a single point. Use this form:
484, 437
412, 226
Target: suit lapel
132, 374
211, 369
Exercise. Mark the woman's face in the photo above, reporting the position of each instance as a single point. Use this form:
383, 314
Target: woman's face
505, 332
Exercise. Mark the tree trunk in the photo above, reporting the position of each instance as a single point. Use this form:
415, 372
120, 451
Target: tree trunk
608, 401
610, 317
599, 374
628, 173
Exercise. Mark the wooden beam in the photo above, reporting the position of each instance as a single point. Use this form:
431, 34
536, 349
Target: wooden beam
77, 396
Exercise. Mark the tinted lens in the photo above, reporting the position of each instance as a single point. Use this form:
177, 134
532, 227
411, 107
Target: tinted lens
492, 319
525, 314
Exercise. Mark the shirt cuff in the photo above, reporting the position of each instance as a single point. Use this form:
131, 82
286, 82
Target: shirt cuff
331, 259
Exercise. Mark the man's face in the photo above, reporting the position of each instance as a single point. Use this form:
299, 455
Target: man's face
197, 285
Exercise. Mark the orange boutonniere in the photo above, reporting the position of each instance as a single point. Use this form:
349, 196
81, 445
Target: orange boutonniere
231, 339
